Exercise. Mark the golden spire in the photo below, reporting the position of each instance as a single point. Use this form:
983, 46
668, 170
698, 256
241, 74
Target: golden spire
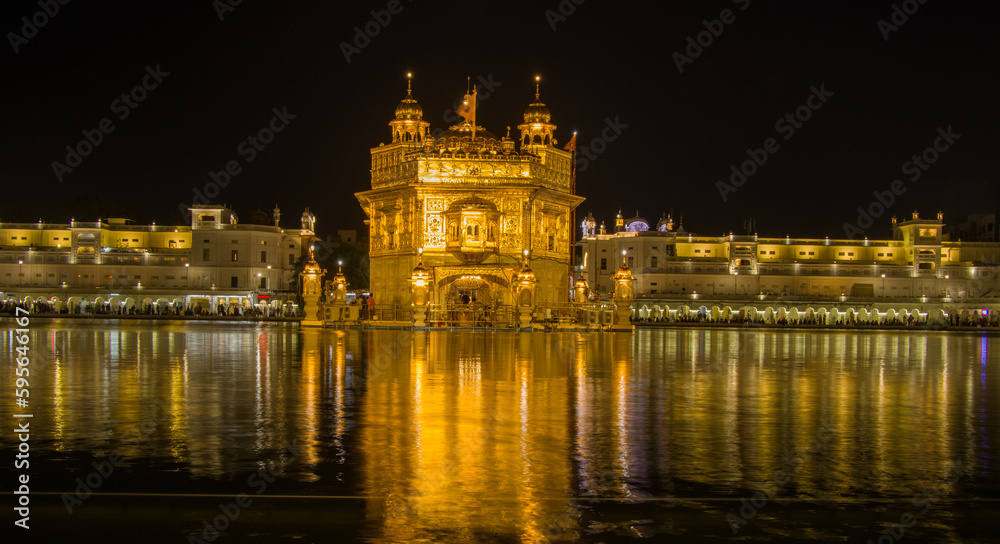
538, 80
409, 81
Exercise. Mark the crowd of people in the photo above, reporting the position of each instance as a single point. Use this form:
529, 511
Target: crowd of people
9, 307
972, 319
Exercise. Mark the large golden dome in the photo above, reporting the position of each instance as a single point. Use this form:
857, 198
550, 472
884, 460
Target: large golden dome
464, 130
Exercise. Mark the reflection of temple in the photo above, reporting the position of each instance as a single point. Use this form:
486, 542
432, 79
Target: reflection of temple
475, 203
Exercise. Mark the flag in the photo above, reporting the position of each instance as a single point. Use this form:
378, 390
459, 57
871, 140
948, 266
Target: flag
468, 107
571, 146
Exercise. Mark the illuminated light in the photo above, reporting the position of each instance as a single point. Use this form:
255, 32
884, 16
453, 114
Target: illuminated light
186, 264
268, 266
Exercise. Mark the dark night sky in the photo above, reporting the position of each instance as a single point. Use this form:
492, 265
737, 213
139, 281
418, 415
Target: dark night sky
606, 60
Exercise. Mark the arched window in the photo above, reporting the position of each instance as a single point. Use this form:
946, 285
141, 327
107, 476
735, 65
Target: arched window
546, 139
525, 140
537, 139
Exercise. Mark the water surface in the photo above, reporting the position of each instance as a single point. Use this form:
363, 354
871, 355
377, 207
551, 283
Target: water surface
443, 436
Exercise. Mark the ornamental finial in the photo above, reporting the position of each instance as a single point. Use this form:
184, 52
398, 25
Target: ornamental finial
538, 80
409, 81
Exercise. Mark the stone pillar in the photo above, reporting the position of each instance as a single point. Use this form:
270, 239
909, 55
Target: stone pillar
311, 279
623, 296
420, 290
524, 283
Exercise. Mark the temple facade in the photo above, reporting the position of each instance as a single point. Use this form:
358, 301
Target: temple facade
474, 204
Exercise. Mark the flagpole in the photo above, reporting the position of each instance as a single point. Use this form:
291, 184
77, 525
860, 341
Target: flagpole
473, 113
572, 225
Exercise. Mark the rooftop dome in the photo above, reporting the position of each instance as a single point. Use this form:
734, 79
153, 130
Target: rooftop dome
464, 130
537, 112
408, 107
636, 224
258, 217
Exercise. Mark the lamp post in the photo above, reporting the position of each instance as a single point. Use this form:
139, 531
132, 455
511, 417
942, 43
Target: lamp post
883, 285
19, 274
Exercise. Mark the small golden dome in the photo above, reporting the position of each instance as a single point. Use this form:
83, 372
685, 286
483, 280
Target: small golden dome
408, 107
537, 113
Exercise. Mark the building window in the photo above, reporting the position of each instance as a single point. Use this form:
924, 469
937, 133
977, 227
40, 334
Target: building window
552, 243
234, 281
697, 251
802, 253
604, 263
206, 254
811, 253
291, 259
263, 282
652, 262
236, 255
631, 262
263, 256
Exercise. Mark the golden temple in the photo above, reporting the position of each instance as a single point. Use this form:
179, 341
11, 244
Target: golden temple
478, 206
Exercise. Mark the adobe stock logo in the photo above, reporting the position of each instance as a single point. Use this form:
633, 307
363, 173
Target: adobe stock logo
123, 106
363, 37
899, 16
698, 43
30, 27
914, 168
787, 125
248, 148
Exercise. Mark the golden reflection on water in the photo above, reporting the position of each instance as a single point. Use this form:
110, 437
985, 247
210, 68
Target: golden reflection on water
463, 435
